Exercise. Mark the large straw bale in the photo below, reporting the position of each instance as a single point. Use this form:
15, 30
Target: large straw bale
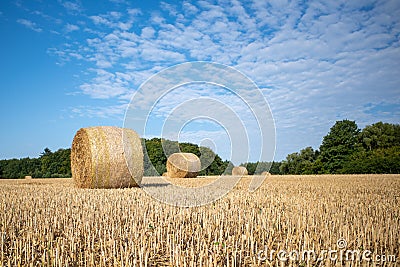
239, 170
98, 158
183, 165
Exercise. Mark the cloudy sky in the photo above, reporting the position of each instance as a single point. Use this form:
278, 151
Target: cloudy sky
71, 64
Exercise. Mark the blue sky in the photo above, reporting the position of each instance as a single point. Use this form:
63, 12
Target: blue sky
71, 64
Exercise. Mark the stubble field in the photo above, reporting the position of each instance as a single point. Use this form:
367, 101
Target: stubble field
328, 220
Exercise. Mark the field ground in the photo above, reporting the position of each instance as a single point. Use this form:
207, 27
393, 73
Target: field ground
339, 218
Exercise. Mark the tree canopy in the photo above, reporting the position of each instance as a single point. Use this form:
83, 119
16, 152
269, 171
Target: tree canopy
48, 165
157, 151
57, 164
338, 145
345, 149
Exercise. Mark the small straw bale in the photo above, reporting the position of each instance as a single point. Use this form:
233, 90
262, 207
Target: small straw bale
265, 173
183, 165
28, 177
106, 157
240, 170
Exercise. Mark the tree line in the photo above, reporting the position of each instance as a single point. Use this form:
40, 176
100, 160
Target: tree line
156, 151
48, 165
345, 149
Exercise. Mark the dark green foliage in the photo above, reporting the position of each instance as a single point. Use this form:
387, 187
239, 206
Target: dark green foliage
158, 150
251, 167
57, 164
261, 166
380, 135
275, 168
154, 157
381, 160
229, 166
338, 145
346, 149
299, 163
48, 165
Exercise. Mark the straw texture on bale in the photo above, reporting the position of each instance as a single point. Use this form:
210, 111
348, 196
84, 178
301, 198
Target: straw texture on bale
106, 157
240, 170
183, 165
28, 177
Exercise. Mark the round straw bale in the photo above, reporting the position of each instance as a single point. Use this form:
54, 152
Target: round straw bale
106, 157
28, 177
183, 165
240, 170
265, 173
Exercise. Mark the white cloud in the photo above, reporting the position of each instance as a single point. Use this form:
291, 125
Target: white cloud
133, 12
72, 6
147, 33
171, 9
113, 20
100, 20
317, 62
106, 85
47, 17
189, 9
119, 1
110, 111
71, 28
30, 25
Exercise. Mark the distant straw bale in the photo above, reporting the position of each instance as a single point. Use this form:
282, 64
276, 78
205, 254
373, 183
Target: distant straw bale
183, 165
239, 170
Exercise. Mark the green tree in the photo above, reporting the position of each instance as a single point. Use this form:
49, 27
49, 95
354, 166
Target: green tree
259, 167
381, 160
378, 150
250, 166
46, 152
11, 169
157, 150
275, 168
154, 157
338, 145
380, 135
57, 164
211, 163
299, 163
228, 166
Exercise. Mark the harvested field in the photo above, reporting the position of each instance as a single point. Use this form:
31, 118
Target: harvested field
49, 222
